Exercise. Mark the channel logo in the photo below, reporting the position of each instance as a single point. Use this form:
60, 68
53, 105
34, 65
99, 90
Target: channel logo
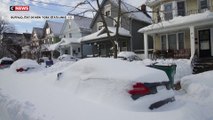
19, 8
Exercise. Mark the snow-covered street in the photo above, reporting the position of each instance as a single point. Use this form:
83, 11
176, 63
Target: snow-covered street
83, 92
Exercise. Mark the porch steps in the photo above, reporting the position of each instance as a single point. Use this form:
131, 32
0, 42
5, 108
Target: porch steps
202, 65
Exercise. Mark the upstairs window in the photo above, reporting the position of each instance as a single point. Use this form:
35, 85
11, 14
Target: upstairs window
48, 31
107, 10
181, 8
115, 21
203, 4
99, 25
168, 11
70, 35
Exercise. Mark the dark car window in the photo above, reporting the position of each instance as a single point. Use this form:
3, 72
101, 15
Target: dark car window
6, 62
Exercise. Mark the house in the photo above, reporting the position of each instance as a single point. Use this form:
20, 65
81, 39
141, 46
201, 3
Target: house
181, 28
72, 30
129, 39
36, 36
51, 37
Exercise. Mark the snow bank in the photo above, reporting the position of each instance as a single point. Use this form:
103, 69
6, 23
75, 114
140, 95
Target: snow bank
199, 89
6, 58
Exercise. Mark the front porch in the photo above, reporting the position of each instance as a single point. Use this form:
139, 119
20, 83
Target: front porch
182, 37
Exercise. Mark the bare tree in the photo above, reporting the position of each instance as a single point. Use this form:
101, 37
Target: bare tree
99, 10
7, 45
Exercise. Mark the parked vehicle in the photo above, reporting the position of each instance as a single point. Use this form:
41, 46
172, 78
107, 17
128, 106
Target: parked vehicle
66, 57
129, 56
24, 65
5, 62
131, 84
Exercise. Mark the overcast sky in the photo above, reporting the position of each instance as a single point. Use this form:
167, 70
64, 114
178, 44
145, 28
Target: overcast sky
42, 9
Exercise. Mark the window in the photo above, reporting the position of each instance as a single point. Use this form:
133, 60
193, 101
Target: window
107, 10
70, 35
181, 8
115, 21
99, 25
180, 40
48, 31
168, 11
163, 42
79, 49
203, 4
172, 41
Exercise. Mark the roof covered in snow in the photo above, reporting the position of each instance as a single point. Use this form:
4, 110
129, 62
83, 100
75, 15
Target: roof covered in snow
134, 12
66, 41
55, 46
55, 27
38, 31
102, 34
180, 22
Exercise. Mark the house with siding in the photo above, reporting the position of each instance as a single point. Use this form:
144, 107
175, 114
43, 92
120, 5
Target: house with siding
51, 38
130, 22
72, 30
181, 28
36, 38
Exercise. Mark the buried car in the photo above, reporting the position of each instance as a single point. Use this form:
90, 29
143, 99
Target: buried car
129, 56
66, 57
5, 62
23, 65
118, 83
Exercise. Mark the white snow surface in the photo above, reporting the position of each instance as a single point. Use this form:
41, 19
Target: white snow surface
6, 58
102, 34
82, 94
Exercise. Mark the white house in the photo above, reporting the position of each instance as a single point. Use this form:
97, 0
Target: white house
71, 32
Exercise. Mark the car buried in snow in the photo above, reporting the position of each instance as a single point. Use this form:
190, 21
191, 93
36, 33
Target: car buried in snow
5, 62
119, 83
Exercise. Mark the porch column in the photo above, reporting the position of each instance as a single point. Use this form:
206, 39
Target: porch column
145, 45
192, 41
71, 50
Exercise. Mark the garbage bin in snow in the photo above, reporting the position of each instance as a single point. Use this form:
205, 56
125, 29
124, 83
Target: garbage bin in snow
169, 69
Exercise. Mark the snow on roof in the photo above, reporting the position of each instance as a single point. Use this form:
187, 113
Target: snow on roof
66, 41
126, 54
55, 27
6, 58
83, 22
102, 34
181, 21
38, 31
53, 47
152, 2
135, 14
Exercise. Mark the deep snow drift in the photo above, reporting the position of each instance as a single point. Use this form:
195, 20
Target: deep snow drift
39, 95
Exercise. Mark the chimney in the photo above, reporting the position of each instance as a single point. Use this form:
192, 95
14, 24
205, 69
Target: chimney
143, 8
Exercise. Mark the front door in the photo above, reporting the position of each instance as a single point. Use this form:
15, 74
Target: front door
205, 43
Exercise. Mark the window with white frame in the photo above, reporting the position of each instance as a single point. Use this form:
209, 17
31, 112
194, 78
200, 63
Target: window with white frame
181, 11
48, 31
107, 10
115, 21
168, 13
70, 35
99, 25
203, 4
172, 41
163, 42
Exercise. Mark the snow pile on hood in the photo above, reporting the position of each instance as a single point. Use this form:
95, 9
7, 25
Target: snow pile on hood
24, 63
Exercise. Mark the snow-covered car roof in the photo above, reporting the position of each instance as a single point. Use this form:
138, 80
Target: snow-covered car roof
128, 55
109, 68
66, 57
6, 58
24, 63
